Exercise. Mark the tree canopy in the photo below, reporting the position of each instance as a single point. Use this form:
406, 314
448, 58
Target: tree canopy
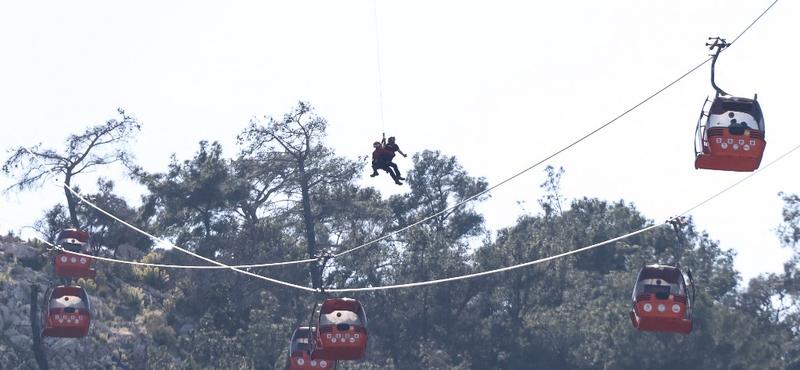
286, 195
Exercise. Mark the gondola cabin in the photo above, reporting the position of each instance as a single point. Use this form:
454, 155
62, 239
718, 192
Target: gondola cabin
342, 331
661, 302
67, 312
732, 137
71, 265
300, 352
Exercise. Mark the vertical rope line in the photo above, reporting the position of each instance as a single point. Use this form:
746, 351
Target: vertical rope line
378, 62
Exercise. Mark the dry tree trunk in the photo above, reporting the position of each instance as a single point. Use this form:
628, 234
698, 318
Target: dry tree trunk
38, 346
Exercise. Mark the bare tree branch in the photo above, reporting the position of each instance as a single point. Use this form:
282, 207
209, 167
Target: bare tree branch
30, 166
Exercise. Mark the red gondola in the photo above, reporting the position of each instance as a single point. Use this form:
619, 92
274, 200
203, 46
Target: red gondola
732, 136
342, 333
67, 313
300, 352
71, 265
661, 302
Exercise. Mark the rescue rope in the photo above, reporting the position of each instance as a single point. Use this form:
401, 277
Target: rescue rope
378, 62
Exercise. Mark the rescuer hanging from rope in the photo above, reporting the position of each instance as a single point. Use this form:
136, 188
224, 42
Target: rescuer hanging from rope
382, 159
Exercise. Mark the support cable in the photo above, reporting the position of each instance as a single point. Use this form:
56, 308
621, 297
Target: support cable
551, 156
743, 179
164, 241
237, 269
541, 260
753, 23
495, 271
584, 137
477, 274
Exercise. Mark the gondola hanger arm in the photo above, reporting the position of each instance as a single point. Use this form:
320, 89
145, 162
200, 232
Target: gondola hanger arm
720, 44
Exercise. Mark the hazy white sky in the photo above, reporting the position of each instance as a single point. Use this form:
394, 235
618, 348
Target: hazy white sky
498, 84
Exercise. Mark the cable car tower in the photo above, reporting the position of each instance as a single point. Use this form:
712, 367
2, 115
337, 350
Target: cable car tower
731, 138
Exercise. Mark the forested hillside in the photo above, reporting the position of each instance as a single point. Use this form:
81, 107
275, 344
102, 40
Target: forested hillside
283, 194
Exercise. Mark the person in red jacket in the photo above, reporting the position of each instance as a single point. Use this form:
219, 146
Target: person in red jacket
382, 159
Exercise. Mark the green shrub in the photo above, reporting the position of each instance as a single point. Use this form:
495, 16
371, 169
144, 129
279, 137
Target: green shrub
101, 285
155, 323
35, 263
131, 296
152, 276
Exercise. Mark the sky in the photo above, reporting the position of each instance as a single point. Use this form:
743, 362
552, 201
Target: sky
499, 85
